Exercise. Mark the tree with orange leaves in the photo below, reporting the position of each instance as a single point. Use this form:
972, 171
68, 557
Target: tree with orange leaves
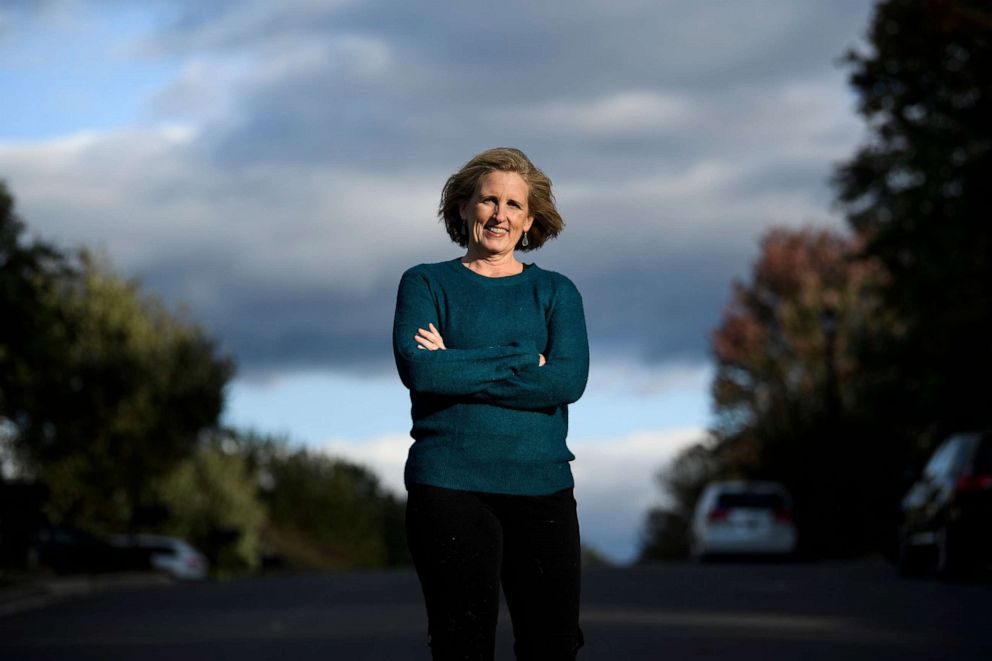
785, 391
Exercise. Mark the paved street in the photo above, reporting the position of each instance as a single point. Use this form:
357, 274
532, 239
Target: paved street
725, 611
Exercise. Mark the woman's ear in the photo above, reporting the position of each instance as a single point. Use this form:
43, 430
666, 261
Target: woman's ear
528, 223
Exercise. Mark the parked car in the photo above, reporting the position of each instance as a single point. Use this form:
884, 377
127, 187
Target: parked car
743, 518
947, 514
169, 555
67, 550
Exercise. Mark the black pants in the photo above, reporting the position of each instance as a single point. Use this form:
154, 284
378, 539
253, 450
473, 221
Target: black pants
465, 543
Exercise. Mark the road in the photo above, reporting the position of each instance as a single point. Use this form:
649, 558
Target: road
725, 611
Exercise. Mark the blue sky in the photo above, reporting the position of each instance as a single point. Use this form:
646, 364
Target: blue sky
274, 167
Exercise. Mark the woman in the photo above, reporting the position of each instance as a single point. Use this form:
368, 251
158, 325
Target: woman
493, 351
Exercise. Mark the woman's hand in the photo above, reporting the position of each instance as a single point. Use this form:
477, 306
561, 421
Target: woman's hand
429, 339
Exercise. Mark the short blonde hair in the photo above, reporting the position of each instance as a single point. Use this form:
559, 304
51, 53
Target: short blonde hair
462, 185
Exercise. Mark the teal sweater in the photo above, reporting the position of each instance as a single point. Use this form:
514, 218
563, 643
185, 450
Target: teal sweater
486, 416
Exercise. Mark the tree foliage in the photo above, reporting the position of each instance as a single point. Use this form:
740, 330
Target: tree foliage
328, 513
785, 386
137, 389
103, 387
774, 352
34, 328
213, 500
916, 193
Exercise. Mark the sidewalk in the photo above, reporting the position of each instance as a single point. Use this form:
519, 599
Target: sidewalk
25, 591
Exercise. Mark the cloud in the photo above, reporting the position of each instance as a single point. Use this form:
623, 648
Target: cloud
386, 456
624, 113
289, 171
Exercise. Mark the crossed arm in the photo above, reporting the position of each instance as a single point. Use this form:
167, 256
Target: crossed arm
431, 339
511, 376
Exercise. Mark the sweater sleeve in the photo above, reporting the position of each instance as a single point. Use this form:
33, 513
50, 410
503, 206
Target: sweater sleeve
452, 372
562, 379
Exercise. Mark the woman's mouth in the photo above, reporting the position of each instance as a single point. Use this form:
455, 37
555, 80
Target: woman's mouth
496, 230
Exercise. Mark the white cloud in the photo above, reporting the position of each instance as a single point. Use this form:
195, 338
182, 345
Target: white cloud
624, 113
146, 197
622, 375
386, 456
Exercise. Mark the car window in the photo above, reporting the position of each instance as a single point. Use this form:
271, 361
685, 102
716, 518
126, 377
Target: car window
770, 501
941, 461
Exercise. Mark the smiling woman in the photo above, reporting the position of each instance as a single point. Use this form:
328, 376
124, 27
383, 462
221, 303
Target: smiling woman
493, 351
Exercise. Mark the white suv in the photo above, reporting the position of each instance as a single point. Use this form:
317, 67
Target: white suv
743, 518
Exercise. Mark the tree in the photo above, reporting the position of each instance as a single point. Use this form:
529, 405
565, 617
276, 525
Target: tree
328, 513
916, 193
783, 391
323, 512
785, 386
34, 330
102, 389
213, 500
135, 392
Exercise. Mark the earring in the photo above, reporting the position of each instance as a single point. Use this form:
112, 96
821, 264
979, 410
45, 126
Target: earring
525, 242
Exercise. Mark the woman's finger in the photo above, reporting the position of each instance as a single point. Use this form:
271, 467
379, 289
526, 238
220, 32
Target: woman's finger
425, 343
440, 340
429, 339
427, 335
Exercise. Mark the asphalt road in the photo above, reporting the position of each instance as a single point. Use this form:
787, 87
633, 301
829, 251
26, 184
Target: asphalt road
725, 611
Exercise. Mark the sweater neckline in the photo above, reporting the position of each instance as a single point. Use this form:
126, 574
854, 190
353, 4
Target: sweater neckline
526, 274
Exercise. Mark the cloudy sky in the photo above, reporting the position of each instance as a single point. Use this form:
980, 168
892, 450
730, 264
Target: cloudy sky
275, 167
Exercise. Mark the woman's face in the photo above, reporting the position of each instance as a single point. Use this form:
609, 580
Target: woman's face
497, 214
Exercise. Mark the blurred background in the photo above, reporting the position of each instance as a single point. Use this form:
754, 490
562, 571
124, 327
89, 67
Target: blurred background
776, 214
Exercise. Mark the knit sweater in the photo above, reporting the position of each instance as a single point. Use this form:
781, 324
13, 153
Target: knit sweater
486, 416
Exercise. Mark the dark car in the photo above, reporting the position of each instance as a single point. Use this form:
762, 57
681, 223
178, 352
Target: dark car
947, 514
68, 550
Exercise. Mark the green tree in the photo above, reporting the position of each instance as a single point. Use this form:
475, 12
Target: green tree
102, 389
212, 499
137, 389
328, 513
916, 193
33, 327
